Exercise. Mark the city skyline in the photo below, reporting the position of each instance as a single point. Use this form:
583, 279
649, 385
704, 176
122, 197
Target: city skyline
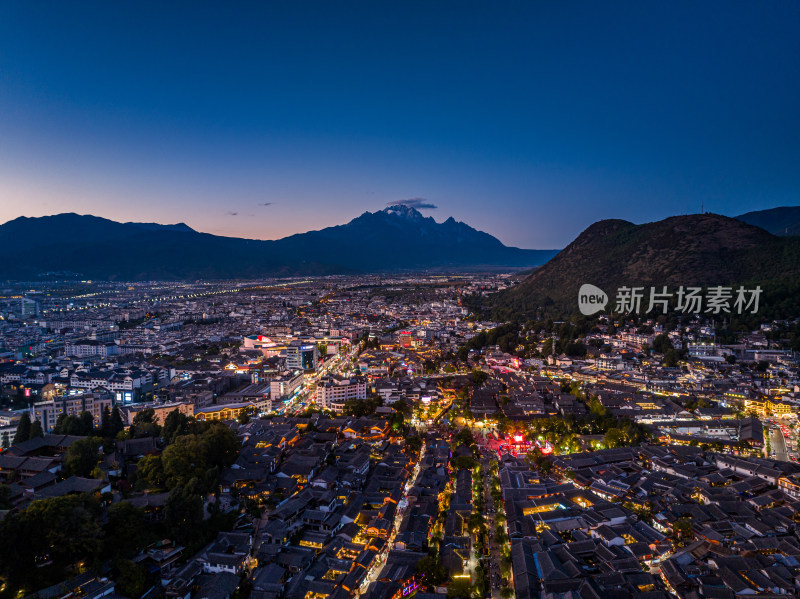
358, 300
528, 122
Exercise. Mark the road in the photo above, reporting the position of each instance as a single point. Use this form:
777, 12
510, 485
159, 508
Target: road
495, 579
374, 572
778, 445
304, 399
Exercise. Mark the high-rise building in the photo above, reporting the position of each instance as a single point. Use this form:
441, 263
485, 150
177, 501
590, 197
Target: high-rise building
301, 355
28, 307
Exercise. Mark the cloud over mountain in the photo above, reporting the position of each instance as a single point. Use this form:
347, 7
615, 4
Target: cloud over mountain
416, 203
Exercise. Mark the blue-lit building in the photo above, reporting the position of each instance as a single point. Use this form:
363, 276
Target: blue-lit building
302, 355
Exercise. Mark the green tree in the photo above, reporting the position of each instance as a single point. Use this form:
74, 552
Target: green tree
682, 529
505, 560
200, 456
23, 429
575, 349
59, 426
125, 530
182, 513
36, 429
479, 377
81, 457
459, 589
150, 472
662, 343
130, 577
184, 459
86, 423
147, 415
464, 437
431, 569
221, 446
81, 425
414, 443
175, 424
464, 462
614, 437
62, 529
480, 580
105, 424
362, 407
597, 409
475, 522
145, 429
144, 424
500, 536
116, 425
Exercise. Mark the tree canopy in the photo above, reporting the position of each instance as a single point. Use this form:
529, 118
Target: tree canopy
81, 457
81, 425
23, 429
36, 429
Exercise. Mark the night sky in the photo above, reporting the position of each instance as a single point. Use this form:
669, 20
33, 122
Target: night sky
529, 120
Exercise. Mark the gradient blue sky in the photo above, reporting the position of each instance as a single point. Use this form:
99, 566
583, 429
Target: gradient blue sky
529, 120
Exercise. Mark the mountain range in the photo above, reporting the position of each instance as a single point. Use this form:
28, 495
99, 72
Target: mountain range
778, 221
693, 250
397, 238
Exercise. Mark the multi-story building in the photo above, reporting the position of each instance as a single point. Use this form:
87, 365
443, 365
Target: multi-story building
225, 412
125, 384
28, 307
703, 350
161, 411
302, 356
764, 407
8, 427
334, 391
89, 348
790, 486
47, 412
284, 386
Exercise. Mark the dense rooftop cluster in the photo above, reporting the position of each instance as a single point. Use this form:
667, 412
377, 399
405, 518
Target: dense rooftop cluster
371, 437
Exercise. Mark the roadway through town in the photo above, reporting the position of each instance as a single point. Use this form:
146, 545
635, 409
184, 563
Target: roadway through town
495, 578
376, 569
778, 444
